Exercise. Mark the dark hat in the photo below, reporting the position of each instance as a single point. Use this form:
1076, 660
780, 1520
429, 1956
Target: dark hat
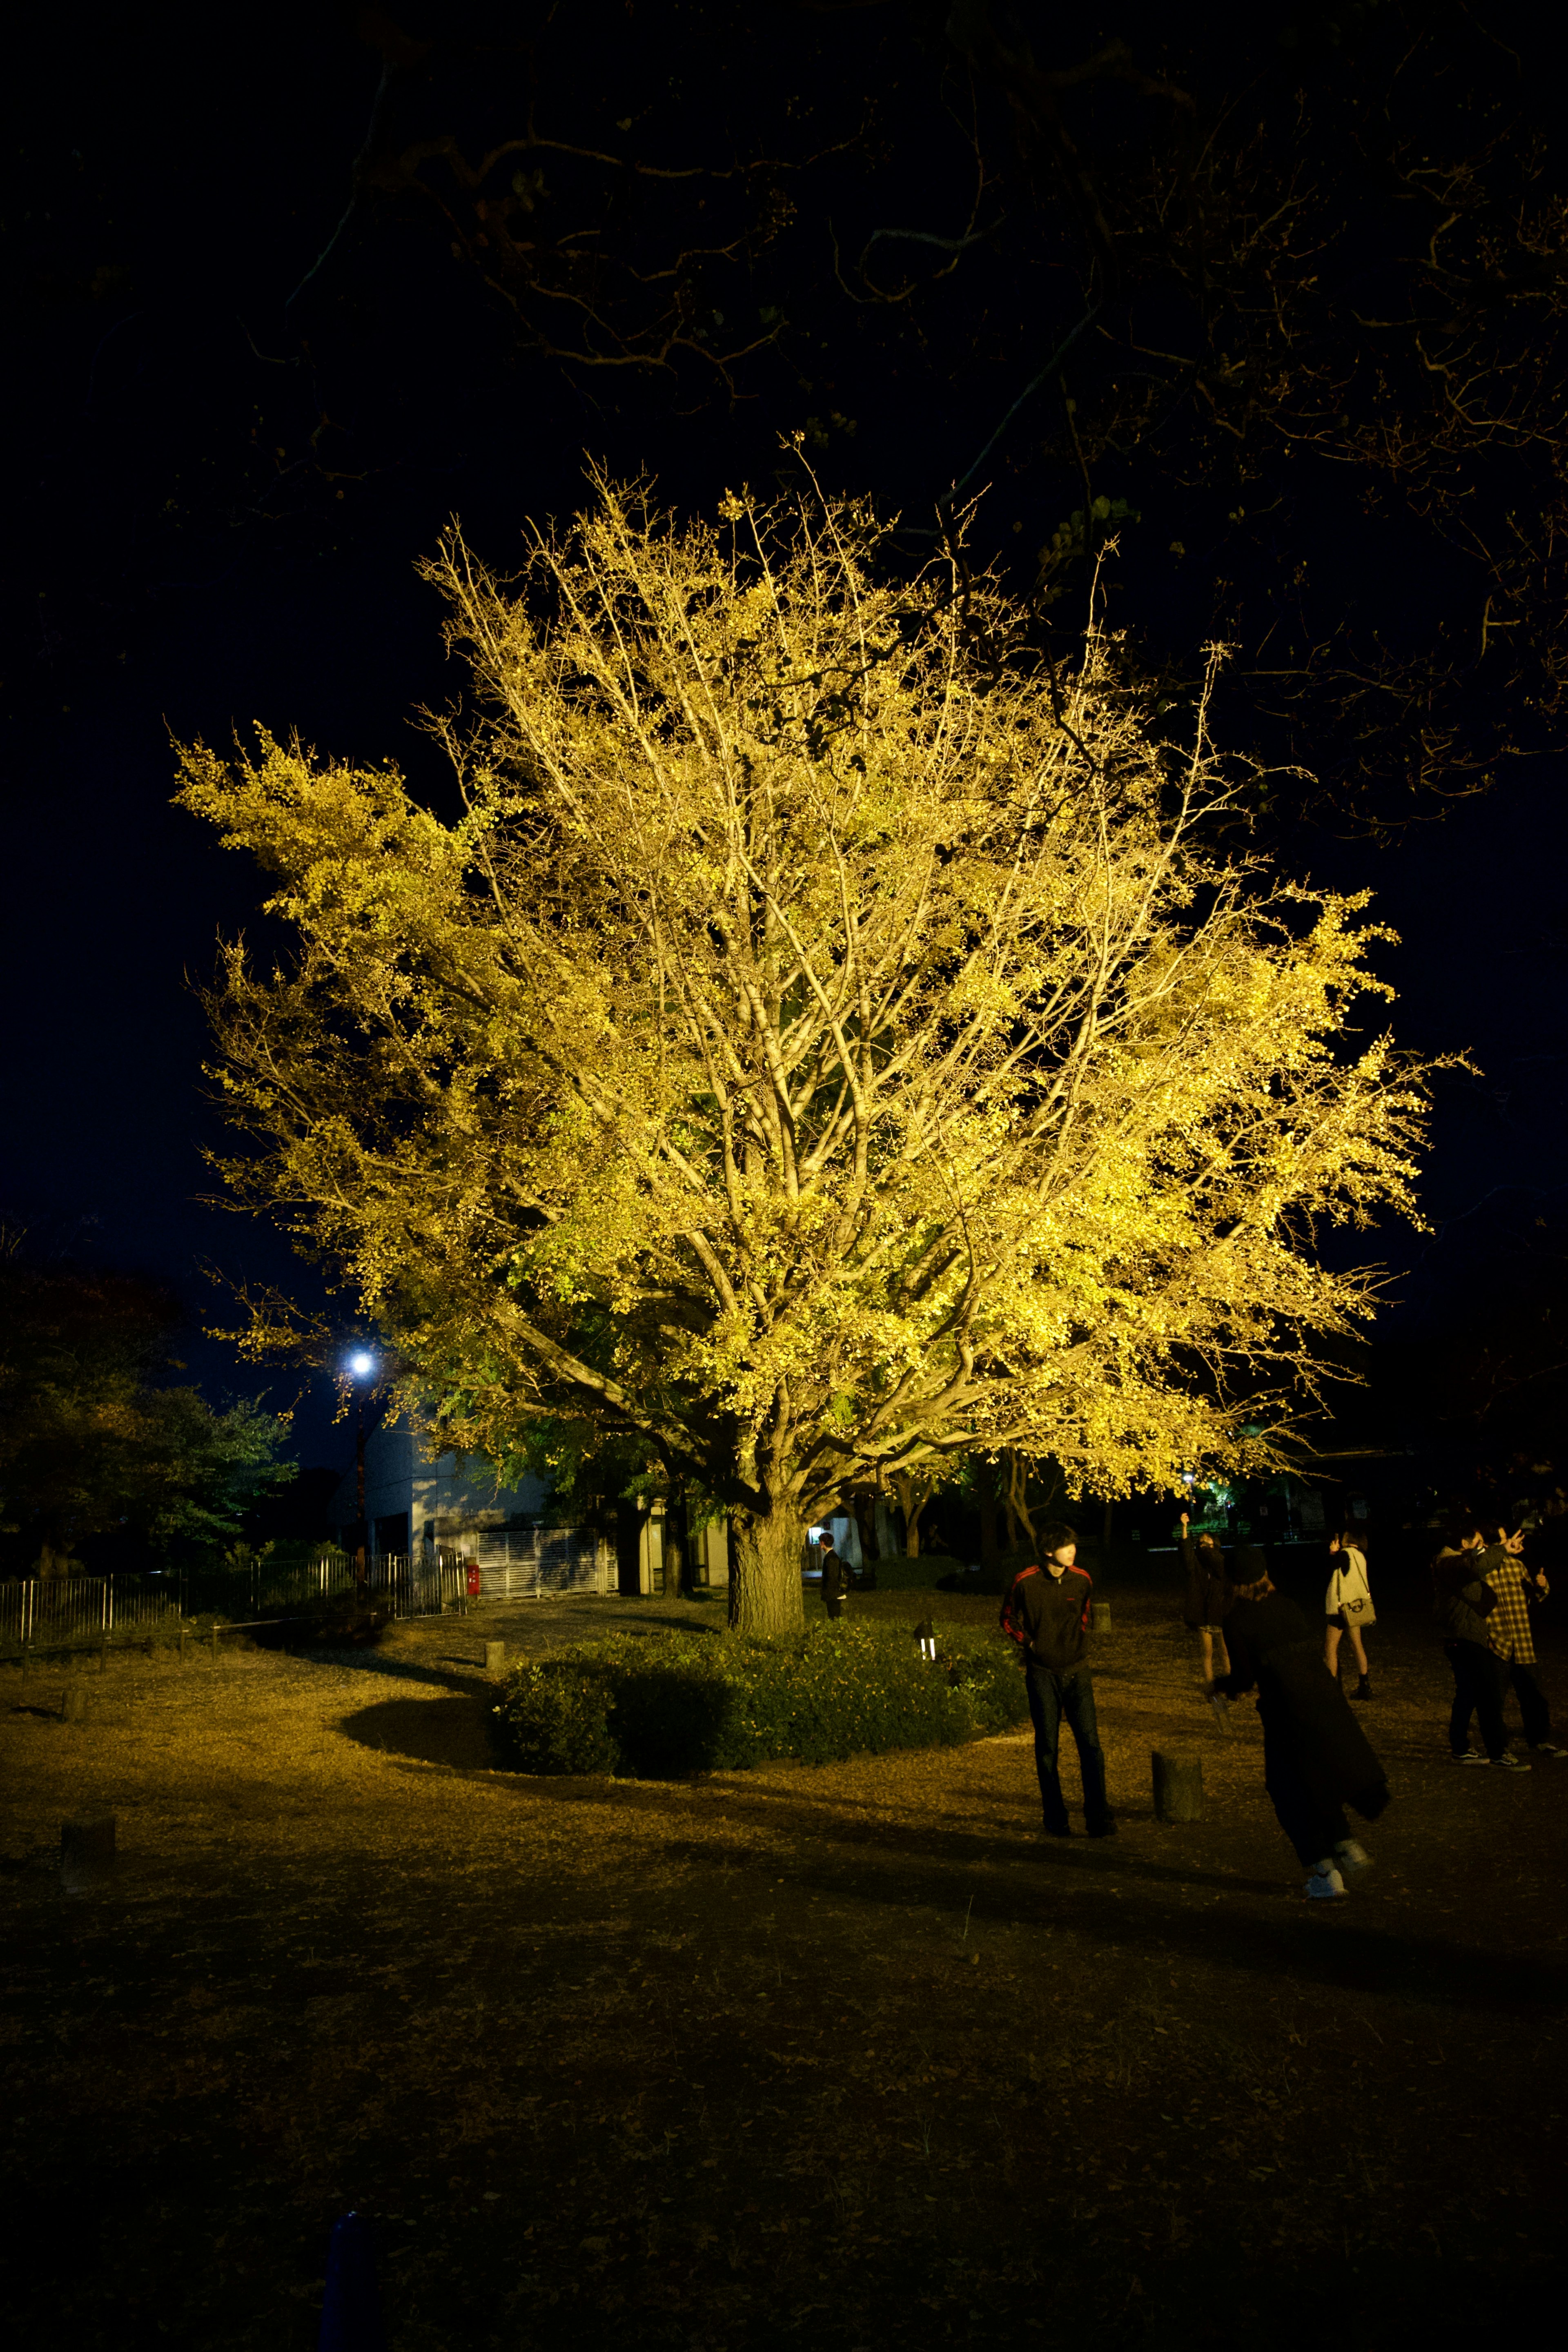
1249, 1562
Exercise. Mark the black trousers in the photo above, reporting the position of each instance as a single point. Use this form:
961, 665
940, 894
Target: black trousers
1053, 1700
1313, 1825
1479, 1681
1533, 1706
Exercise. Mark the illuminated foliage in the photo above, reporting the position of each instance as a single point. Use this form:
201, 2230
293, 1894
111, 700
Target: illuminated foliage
825, 1046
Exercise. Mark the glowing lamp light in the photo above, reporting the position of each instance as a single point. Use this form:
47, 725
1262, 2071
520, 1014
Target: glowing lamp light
362, 1366
925, 1634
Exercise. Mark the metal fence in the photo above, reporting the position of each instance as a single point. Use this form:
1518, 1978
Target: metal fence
418, 1587
55, 1611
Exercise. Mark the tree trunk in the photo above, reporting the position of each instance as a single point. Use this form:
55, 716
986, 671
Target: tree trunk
985, 1495
764, 1573
676, 1545
914, 1498
1019, 1525
865, 1508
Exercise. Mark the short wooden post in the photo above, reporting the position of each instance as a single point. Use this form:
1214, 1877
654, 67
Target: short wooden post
89, 1844
184, 1637
103, 1656
215, 1640
73, 1707
1178, 1787
495, 1657
1099, 1616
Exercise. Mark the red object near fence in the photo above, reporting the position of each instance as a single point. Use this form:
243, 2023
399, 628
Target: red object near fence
473, 1580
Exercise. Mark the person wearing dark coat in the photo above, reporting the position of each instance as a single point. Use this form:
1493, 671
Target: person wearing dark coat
1462, 1600
835, 1578
1206, 1604
1316, 1756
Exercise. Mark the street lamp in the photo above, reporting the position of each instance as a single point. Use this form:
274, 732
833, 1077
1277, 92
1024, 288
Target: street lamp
362, 1366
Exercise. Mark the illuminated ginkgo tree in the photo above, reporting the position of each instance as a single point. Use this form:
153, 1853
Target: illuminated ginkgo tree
826, 1045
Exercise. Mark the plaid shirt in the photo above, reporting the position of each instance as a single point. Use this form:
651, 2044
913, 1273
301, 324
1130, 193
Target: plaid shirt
1508, 1628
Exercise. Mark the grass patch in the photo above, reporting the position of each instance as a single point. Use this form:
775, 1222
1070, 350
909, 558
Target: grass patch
653, 1709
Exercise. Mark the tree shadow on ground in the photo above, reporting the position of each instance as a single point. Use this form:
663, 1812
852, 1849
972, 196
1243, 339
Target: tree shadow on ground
452, 1731
1115, 1898
455, 1674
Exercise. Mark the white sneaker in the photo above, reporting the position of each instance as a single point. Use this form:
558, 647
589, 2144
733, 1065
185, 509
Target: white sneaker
1352, 1859
1325, 1884
1509, 1762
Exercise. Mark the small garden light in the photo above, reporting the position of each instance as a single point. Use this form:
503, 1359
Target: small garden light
925, 1634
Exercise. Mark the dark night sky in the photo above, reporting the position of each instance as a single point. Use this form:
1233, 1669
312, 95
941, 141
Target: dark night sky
210, 178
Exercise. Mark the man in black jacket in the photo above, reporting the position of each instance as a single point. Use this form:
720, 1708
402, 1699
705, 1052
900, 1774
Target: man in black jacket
1046, 1614
1316, 1758
835, 1576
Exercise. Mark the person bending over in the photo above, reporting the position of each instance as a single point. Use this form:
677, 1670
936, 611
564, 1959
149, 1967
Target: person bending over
1046, 1614
1316, 1758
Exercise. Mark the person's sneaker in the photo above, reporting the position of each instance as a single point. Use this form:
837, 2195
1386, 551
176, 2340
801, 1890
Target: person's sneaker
1362, 1688
1103, 1829
1468, 1756
1049, 1829
1545, 1748
1509, 1762
1352, 1859
1325, 1884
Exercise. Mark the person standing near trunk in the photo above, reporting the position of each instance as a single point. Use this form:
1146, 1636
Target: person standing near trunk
834, 1577
1316, 1759
1462, 1600
1046, 1614
1208, 1596
1348, 1607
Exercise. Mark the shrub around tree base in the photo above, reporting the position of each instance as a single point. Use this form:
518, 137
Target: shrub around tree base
678, 1702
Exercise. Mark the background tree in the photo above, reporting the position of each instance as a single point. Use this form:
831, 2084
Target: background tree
89, 1445
824, 1049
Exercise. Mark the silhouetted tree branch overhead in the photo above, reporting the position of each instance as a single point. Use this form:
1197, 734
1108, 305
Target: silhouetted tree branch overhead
1278, 304
1308, 291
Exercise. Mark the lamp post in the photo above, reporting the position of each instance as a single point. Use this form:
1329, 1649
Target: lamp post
362, 1366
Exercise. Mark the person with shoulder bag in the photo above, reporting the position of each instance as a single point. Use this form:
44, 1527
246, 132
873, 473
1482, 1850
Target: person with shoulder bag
1348, 1607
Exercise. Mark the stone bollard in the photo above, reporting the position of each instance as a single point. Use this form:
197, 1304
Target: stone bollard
1178, 1787
74, 1706
89, 1844
495, 1657
1099, 1616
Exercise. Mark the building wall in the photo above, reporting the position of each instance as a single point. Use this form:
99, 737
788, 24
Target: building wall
459, 1506
444, 1502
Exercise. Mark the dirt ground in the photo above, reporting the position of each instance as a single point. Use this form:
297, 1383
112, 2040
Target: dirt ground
847, 2057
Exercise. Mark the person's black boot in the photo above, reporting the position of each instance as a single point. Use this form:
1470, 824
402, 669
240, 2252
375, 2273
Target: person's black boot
1362, 1688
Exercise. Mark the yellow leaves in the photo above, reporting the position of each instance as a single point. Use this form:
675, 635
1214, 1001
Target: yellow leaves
802, 1025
